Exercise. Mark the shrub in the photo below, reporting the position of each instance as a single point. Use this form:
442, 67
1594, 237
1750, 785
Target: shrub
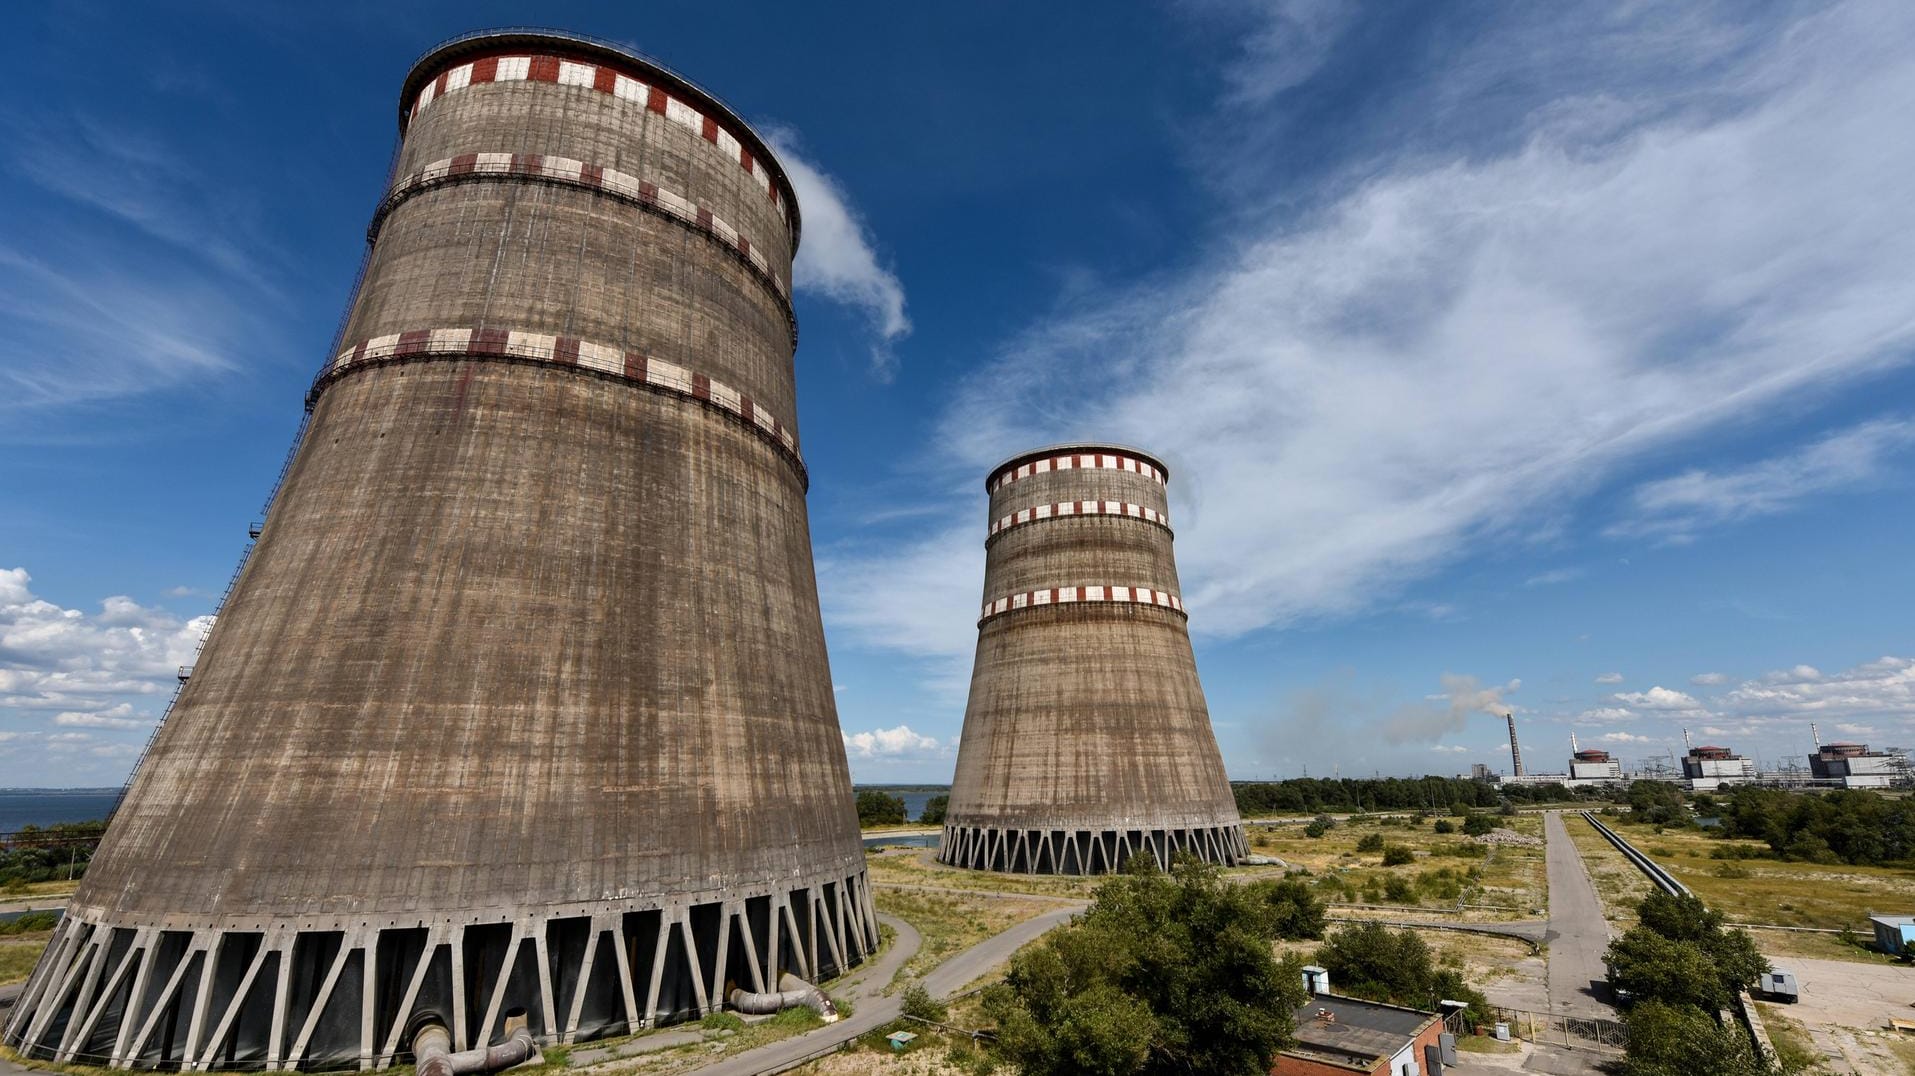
1370, 842
934, 808
919, 1004
1478, 824
1397, 890
1444, 825
1396, 855
1318, 826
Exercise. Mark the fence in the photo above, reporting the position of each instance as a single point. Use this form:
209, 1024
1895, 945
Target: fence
1561, 1029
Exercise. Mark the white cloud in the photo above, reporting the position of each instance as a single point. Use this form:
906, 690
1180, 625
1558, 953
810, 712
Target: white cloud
836, 258
1675, 509
891, 743
1554, 576
1883, 688
78, 670
1450, 748
943, 573
1658, 698
1708, 679
1288, 43
1609, 678
1624, 737
1607, 714
1352, 396
113, 717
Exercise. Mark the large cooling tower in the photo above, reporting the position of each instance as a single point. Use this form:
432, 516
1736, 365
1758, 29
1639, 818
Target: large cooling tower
520, 702
1086, 739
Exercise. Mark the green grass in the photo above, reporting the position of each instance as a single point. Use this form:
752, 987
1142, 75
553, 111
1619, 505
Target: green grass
1791, 1040
18, 954
1509, 879
1773, 891
951, 923
1485, 1044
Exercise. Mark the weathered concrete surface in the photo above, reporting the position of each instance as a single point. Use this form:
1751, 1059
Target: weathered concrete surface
1578, 933
1086, 737
521, 700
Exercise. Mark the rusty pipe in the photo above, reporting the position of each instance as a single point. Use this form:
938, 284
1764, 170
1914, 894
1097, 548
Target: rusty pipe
433, 1054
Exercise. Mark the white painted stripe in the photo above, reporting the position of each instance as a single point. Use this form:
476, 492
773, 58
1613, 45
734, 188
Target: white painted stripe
612, 180
596, 356
1078, 508
625, 88
1071, 461
1072, 595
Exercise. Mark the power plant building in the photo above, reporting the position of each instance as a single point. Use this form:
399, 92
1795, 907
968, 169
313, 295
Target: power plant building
1708, 768
1086, 738
1592, 764
520, 706
1855, 766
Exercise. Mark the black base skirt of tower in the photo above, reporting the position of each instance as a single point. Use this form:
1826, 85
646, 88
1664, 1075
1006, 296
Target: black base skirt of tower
1084, 851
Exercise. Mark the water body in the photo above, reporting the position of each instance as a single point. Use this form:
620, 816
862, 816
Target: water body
914, 796
45, 806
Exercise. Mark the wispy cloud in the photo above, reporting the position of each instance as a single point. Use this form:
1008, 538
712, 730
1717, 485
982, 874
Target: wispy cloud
837, 257
1675, 509
897, 743
1461, 342
1609, 678
1553, 577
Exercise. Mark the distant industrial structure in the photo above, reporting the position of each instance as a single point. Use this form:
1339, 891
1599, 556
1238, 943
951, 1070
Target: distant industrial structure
1708, 768
1086, 738
517, 722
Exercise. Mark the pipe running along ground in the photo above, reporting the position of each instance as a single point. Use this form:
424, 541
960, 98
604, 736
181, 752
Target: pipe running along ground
433, 1054
791, 993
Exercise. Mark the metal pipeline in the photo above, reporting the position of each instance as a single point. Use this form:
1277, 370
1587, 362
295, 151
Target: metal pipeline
433, 1054
791, 993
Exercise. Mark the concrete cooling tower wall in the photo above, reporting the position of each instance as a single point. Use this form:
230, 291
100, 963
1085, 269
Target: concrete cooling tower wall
520, 703
1086, 740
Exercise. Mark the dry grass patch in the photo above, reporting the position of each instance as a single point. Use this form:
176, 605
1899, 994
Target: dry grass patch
919, 867
1620, 885
18, 954
951, 923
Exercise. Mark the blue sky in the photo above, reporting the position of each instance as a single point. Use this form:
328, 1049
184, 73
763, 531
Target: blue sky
1552, 358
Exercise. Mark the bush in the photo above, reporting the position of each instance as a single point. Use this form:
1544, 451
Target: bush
1396, 855
1461, 850
1397, 890
31, 922
880, 809
1444, 825
1163, 974
1370, 842
934, 809
1295, 912
919, 1004
1318, 826
1371, 961
1478, 824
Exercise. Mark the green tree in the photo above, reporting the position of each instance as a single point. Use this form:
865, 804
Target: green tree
1682, 953
1444, 825
1396, 855
1478, 824
880, 808
934, 809
1295, 911
1677, 1040
918, 1002
1370, 842
1318, 826
1371, 961
1165, 973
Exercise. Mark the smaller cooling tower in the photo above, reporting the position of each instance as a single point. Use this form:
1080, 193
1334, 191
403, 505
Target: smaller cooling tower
1086, 739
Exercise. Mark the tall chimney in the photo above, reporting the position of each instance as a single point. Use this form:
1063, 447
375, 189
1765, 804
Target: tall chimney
1515, 752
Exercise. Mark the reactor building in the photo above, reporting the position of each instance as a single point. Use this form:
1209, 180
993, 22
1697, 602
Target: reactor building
519, 712
1086, 739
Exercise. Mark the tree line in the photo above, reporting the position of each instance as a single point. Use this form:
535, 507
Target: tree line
1311, 795
45, 854
1861, 828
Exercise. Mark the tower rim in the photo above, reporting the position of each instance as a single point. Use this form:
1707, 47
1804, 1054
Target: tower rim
477, 42
1112, 447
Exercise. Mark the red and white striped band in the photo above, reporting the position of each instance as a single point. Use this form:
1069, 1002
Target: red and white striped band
1068, 595
592, 177
1080, 460
605, 80
1080, 508
567, 351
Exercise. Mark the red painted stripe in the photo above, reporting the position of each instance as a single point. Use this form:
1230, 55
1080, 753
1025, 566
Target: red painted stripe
439, 84
634, 366
744, 246
528, 164
359, 353
648, 192
748, 409
544, 69
605, 80
592, 175
412, 343
744, 158
565, 350
463, 163
704, 218
657, 101
701, 386
711, 129
488, 341
485, 70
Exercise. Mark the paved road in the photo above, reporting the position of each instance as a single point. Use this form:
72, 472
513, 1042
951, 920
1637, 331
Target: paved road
875, 1012
1578, 933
